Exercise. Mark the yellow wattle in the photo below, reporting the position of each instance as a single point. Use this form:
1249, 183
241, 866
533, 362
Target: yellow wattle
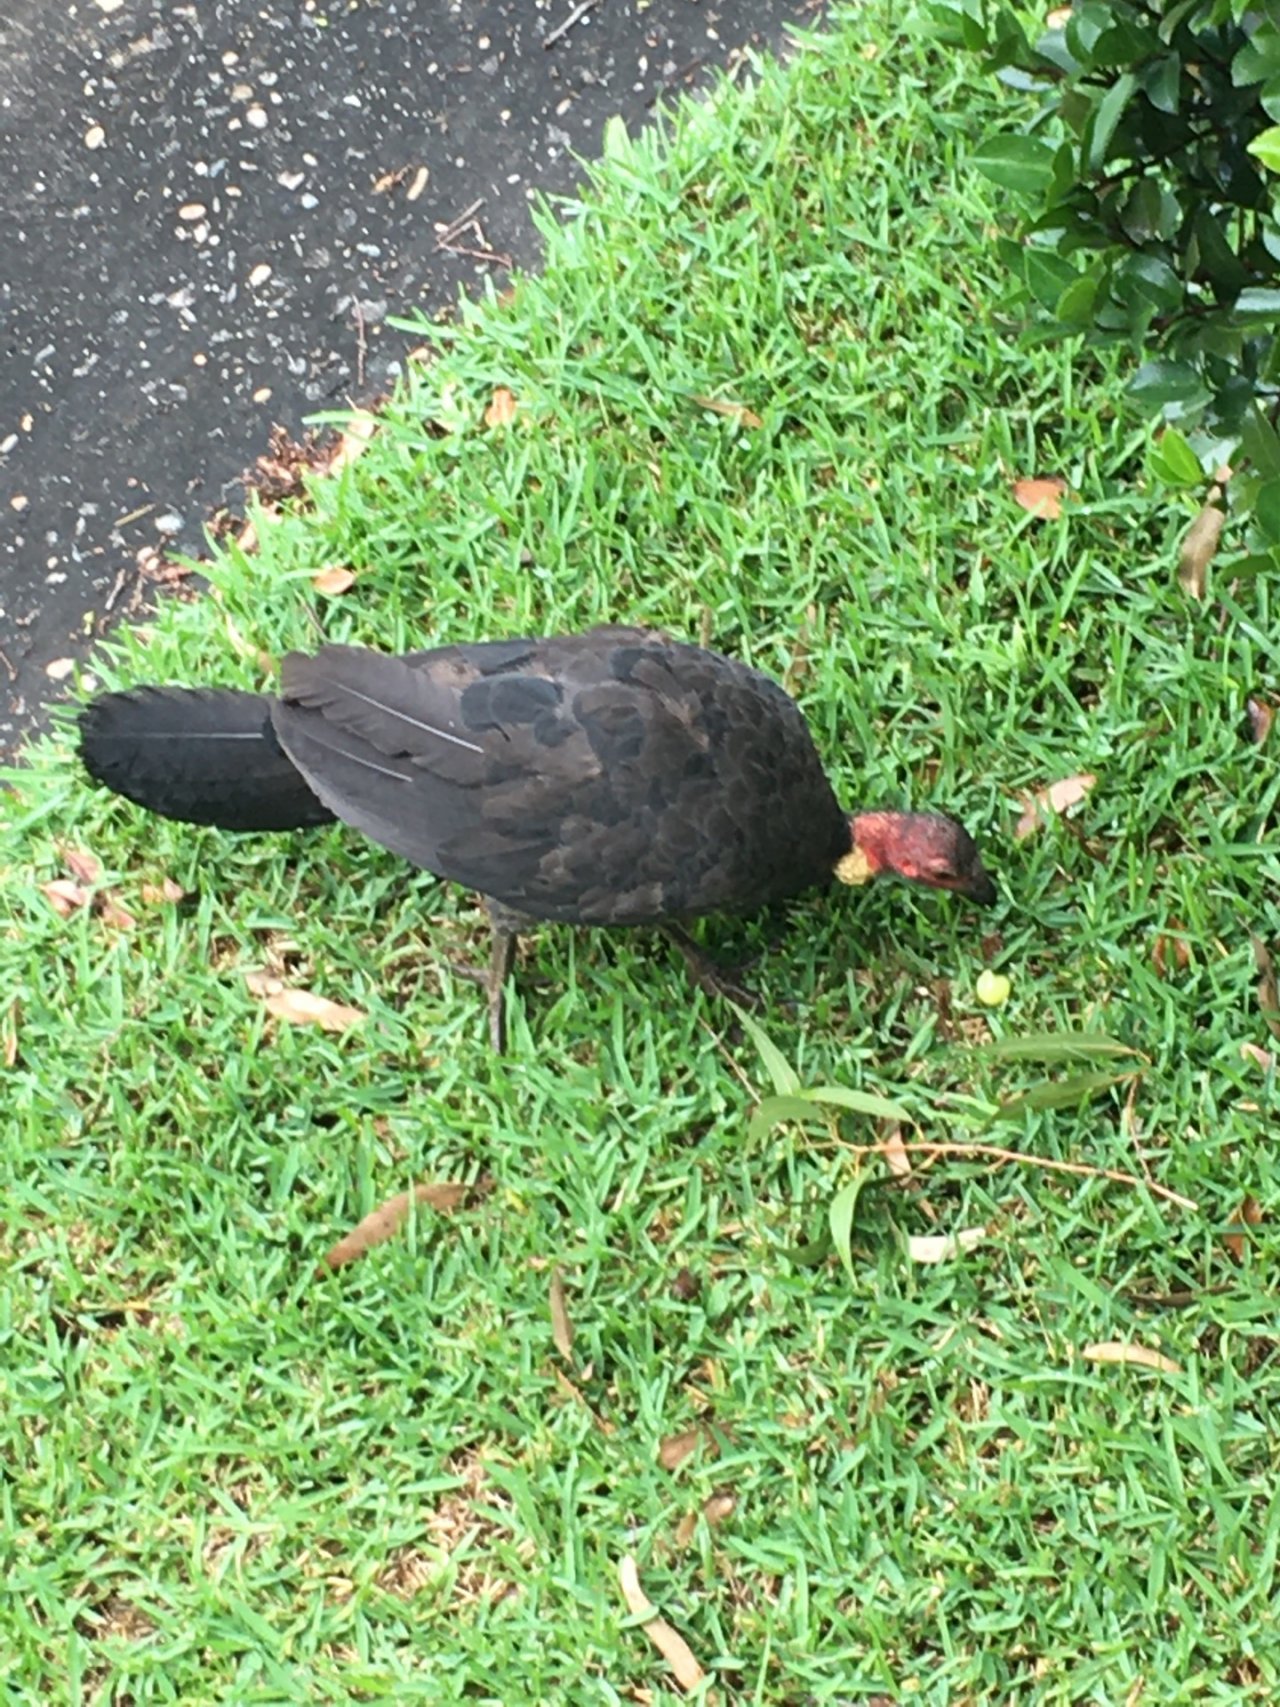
855, 868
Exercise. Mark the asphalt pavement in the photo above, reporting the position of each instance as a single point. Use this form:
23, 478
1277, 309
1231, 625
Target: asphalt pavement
210, 208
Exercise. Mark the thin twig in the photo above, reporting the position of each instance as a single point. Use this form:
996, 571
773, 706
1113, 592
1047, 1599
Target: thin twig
579, 11
362, 347
476, 254
13, 674
459, 224
997, 1153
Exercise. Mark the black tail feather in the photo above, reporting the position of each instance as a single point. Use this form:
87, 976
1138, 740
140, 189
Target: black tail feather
200, 755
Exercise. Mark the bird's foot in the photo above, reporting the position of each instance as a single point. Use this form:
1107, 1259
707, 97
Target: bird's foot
493, 980
709, 975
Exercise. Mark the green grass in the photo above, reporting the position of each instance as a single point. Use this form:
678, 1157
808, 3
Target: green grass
228, 1481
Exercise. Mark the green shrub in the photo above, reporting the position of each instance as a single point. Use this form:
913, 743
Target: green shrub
1149, 171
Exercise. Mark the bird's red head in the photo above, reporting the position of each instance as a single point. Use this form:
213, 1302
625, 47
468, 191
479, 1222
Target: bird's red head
923, 847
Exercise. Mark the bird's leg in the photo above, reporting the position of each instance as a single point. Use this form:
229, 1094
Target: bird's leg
706, 973
503, 932
502, 954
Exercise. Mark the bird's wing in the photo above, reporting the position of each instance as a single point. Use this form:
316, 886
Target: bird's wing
500, 765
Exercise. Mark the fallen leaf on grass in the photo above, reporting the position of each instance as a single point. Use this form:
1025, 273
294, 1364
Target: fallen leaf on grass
1262, 714
1171, 951
1268, 993
1198, 546
1260, 1057
1123, 1351
65, 897
668, 1641
381, 1223
1248, 1215
716, 1508
1042, 498
894, 1151
112, 913
561, 1326
9, 1052
737, 411
354, 441
502, 408
303, 1007
942, 1247
155, 894
1057, 797
677, 1447
81, 864
334, 580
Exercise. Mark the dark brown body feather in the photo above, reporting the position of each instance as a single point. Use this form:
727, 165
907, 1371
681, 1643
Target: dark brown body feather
612, 778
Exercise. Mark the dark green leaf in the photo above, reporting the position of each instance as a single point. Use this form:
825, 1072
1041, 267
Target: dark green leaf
782, 1075
1266, 512
1257, 303
1162, 82
1048, 275
1152, 279
1110, 111
1060, 1093
1021, 163
1075, 306
1055, 1046
840, 1220
1260, 442
858, 1102
773, 1110
1160, 382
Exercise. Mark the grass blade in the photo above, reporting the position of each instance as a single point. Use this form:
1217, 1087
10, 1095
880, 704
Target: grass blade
1056, 1046
784, 1078
858, 1102
840, 1220
774, 1110
1059, 1093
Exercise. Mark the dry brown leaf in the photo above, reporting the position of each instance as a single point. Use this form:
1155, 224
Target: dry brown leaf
1262, 714
354, 441
1249, 1215
1042, 497
65, 897
561, 1326
677, 1447
82, 865
381, 1223
668, 1641
686, 1286
737, 411
1260, 1057
304, 1007
9, 1053
1057, 797
719, 1506
1171, 951
166, 890
1268, 993
113, 913
1198, 546
1123, 1351
941, 1247
685, 1529
502, 408
334, 580
895, 1154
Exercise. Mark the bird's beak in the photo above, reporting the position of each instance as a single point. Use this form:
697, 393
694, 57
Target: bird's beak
979, 887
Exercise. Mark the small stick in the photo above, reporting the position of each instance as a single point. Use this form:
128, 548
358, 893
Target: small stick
476, 254
580, 11
362, 347
998, 1154
459, 224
